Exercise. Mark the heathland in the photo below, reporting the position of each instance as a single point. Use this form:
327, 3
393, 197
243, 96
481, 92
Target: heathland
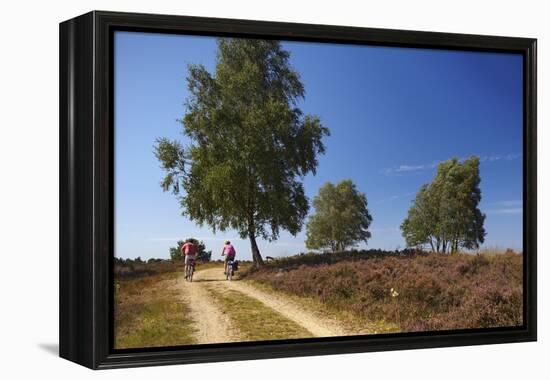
316, 295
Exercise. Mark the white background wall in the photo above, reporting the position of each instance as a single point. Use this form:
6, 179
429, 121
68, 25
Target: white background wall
29, 191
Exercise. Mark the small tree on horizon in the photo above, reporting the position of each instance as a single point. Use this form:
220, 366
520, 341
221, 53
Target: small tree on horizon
249, 147
202, 253
341, 218
445, 213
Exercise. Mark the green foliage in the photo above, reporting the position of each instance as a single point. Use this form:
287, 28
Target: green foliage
251, 144
341, 218
202, 254
445, 213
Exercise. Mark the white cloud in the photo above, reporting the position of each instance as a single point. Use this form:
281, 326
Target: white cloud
394, 197
383, 230
500, 157
509, 211
511, 203
408, 168
507, 207
403, 169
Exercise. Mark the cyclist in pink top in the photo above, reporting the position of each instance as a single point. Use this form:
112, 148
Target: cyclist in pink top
229, 252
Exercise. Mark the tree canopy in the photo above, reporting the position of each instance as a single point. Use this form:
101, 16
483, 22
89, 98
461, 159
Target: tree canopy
250, 144
445, 213
202, 253
341, 218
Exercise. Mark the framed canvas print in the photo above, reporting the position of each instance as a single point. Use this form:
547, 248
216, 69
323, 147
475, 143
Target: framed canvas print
236, 189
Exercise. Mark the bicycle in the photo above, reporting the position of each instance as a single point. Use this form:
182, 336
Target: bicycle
189, 270
230, 270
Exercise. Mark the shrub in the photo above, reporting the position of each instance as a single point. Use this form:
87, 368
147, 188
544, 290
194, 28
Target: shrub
313, 258
127, 268
436, 292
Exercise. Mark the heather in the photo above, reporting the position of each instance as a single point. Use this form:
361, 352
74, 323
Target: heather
137, 268
418, 292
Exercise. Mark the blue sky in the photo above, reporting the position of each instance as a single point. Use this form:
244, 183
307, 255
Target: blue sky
394, 113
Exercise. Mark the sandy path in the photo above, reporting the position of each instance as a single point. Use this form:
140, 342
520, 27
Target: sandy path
213, 325
317, 325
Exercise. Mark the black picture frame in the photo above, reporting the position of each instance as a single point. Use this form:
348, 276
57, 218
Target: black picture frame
86, 189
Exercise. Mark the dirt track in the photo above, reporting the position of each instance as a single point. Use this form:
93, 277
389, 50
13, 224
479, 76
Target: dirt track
215, 326
212, 324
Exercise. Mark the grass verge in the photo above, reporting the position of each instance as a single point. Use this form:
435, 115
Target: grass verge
259, 321
352, 323
148, 313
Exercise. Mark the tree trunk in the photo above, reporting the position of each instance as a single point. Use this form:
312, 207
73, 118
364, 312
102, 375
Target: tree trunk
256, 256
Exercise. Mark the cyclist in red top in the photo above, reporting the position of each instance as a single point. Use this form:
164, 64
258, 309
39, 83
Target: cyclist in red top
189, 249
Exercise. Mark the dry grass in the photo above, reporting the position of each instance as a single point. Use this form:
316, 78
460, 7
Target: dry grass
352, 323
149, 313
259, 322
495, 250
134, 269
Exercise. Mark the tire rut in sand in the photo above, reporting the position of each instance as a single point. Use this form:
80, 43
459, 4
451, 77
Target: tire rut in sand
212, 324
317, 325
